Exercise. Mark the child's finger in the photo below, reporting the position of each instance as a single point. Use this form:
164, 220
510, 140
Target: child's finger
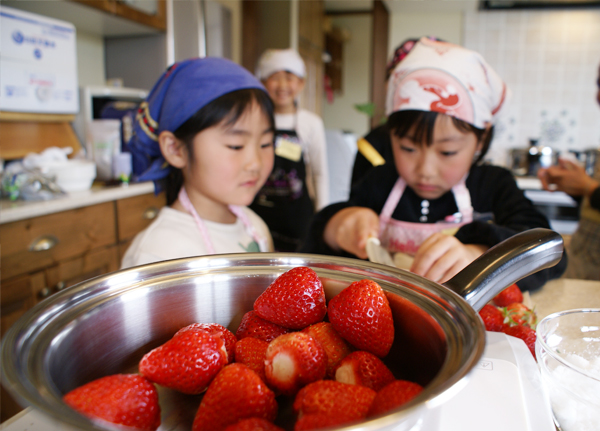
429, 252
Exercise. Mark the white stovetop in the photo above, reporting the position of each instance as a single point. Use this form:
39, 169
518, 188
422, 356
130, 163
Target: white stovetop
21, 210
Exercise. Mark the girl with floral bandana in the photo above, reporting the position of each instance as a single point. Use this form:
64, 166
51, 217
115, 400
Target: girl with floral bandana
436, 203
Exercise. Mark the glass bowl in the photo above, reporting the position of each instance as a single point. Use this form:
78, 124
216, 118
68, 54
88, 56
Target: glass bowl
568, 354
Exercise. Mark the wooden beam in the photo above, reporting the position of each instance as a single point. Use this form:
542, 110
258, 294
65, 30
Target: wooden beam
379, 60
250, 33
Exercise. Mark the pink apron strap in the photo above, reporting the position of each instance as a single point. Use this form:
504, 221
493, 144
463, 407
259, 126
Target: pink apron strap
463, 201
185, 202
236, 210
390, 204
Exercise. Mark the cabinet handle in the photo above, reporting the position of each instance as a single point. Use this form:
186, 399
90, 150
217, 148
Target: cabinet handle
43, 243
150, 213
44, 293
60, 286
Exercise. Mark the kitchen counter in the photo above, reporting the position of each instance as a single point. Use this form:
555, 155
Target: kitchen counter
556, 295
11, 211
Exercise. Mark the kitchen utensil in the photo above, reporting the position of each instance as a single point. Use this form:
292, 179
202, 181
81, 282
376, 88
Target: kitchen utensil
527, 161
376, 253
72, 175
589, 159
104, 325
568, 353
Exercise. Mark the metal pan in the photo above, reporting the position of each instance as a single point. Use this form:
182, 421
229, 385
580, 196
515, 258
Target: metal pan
104, 325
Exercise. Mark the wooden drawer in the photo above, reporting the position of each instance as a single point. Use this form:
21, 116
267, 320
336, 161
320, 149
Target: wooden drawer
136, 213
39, 242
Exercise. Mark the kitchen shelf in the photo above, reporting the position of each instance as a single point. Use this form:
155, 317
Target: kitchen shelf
94, 19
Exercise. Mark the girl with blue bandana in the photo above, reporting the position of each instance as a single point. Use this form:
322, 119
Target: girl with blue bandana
205, 136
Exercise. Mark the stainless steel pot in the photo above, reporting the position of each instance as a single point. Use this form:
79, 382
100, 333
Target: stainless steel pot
104, 325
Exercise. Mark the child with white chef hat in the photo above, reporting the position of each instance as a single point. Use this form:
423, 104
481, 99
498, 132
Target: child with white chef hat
436, 201
299, 182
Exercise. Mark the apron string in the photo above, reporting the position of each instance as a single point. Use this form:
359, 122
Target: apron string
236, 210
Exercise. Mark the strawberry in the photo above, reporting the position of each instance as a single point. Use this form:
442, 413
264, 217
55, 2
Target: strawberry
294, 300
253, 424
364, 369
317, 421
525, 333
508, 296
393, 396
252, 352
335, 346
187, 362
519, 314
124, 399
341, 401
236, 393
256, 327
294, 360
361, 314
229, 339
492, 317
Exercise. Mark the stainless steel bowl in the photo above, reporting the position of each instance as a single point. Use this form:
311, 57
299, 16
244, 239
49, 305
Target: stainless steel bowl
105, 325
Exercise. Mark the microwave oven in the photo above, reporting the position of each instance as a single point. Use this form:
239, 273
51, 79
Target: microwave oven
93, 104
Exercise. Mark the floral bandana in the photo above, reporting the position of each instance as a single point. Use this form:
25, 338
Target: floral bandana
446, 78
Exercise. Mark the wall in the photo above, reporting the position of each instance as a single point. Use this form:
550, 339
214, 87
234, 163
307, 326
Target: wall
341, 114
90, 59
447, 26
550, 61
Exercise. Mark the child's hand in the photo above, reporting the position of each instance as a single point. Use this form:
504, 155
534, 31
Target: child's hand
442, 256
350, 228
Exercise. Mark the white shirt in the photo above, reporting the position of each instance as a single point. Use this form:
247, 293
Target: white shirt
311, 131
174, 234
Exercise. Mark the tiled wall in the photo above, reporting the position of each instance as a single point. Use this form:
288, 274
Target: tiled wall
550, 61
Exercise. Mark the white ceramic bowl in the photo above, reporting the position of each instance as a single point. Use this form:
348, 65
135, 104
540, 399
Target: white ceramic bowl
72, 175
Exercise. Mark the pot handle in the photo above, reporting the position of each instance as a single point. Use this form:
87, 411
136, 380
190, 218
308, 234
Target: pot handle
506, 263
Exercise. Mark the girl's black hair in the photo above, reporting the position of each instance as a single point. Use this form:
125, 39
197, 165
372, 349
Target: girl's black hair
228, 109
419, 125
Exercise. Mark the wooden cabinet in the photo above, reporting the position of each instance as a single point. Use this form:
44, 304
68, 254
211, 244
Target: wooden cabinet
44, 255
133, 215
151, 13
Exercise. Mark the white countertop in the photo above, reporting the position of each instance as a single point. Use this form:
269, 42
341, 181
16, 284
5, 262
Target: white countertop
21, 210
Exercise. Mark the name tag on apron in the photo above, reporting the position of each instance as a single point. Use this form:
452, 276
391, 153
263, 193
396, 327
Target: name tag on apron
288, 150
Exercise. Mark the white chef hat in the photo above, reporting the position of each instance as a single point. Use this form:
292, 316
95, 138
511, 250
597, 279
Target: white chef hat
443, 77
276, 60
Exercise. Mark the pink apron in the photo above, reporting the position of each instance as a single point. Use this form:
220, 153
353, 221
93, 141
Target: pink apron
406, 237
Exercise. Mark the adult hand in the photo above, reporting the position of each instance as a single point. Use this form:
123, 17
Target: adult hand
442, 256
568, 177
350, 228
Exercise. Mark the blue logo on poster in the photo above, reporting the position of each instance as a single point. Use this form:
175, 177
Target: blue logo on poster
37, 53
18, 37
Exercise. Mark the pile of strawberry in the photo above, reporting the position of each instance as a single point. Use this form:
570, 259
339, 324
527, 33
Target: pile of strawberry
508, 314
284, 351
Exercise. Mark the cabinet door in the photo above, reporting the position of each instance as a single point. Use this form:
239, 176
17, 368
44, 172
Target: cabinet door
136, 213
70, 272
18, 296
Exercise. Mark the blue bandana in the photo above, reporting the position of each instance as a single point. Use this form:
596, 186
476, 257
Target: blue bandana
180, 92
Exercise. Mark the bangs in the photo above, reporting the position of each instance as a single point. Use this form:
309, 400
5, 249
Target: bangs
227, 109
418, 126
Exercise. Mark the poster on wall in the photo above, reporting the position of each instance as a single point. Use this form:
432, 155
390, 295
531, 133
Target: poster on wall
38, 64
